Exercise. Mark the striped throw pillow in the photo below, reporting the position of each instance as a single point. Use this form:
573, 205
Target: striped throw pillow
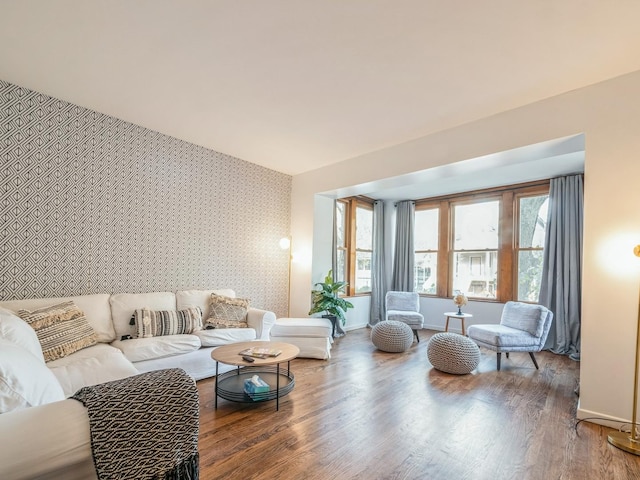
62, 329
151, 323
228, 312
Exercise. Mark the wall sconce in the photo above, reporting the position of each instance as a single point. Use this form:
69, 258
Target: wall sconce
630, 441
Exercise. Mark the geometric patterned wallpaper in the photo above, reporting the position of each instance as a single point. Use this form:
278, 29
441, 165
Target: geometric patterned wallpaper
94, 204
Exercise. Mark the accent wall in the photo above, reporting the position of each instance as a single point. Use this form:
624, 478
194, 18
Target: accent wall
93, 204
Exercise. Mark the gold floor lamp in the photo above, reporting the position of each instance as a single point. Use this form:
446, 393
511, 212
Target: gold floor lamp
630, 441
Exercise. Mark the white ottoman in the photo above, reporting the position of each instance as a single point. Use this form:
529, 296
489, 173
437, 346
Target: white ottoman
311, 335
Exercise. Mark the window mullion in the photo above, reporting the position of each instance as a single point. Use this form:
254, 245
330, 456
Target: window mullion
443, 285
351, 269
506, 264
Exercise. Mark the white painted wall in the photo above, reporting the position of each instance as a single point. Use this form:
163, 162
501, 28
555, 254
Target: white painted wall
609, 115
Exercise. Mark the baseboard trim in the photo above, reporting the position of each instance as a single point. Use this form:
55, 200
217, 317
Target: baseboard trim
600, 418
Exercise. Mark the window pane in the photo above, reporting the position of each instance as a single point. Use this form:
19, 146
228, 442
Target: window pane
426, 272
364, 228
529, 275
426, 229
340, 274
341, 208
476, 273
533, 221
363, 272
476, 226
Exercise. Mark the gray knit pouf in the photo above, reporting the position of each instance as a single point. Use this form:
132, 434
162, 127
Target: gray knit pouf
392, 336
453, 353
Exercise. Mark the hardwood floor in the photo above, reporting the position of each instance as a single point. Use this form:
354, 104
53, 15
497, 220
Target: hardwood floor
365, 414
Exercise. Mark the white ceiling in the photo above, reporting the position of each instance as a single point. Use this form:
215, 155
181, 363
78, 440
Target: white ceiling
294, 85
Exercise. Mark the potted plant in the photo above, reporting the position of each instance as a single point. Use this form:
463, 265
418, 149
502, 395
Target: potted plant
327, 299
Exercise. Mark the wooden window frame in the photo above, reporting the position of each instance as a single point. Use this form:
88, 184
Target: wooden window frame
350, 235
509, 196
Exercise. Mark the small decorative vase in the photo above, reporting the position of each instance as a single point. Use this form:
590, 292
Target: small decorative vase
459, 311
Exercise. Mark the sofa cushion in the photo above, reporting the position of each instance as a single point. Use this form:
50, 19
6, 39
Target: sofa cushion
156, 323
227, 312
25, 381
16, 330
62, 329
222, 336
200, 298
95, 307
124, 304
138, 349
90, 366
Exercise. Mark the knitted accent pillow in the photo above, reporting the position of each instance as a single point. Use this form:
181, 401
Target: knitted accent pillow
227, 312
150, 323
62, 329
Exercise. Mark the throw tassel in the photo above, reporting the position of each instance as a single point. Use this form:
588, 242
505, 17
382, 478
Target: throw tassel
189, 469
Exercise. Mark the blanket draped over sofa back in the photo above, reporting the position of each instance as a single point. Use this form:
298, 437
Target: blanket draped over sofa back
145, 426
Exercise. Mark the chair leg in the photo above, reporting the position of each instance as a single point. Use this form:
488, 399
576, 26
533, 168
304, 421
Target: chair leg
533, 357
417, 337
499, 356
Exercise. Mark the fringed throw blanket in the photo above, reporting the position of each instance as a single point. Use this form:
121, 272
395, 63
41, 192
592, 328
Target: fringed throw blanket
144, 427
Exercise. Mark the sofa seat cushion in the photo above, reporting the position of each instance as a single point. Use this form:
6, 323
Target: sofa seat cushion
18, 332
413, 319
500, 336
95, 307
139, 349
123, 305
90, 366
222, 336
25, 381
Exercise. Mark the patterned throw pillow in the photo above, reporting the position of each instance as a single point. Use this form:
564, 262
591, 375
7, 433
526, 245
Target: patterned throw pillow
62, 329
150, 323
227, 312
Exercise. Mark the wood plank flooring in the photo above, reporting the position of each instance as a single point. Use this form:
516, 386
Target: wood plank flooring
365, 414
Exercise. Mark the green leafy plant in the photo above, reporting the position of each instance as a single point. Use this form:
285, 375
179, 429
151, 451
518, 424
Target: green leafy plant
326, 298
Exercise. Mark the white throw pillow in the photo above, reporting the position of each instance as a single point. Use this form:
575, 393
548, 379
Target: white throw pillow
17, 331
124, 304
25, 381
200, 298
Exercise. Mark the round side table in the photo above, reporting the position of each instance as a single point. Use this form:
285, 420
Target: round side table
460, 317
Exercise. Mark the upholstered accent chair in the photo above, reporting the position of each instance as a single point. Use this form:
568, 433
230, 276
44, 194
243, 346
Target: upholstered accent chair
404, 307
523, 328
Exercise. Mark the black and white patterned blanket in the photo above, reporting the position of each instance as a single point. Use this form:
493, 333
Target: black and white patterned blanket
145, 426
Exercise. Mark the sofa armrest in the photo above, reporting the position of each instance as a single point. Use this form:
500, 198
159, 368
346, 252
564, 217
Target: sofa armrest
261, 321
49, 441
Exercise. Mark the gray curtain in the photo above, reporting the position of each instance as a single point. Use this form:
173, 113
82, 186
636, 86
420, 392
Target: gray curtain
378, 268
561, 285
404, 253
334, 262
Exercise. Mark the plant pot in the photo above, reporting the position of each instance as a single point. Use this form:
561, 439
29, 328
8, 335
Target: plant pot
333, 319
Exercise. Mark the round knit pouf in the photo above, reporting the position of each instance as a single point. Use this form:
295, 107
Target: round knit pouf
453, 353
392, 336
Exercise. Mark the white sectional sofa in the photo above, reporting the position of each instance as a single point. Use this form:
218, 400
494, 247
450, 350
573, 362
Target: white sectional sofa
45, 435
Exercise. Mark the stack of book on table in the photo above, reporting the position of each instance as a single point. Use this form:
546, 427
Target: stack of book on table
261, 352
